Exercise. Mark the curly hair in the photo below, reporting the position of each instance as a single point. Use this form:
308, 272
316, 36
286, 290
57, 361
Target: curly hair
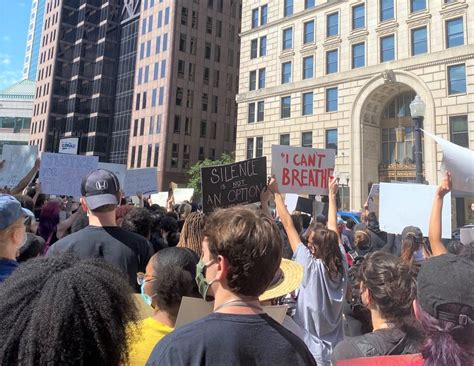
139, 221
175, 271
61, 310
192, 233
251, 244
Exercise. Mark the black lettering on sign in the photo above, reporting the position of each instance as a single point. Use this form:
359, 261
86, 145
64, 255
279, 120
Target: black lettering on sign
233, 184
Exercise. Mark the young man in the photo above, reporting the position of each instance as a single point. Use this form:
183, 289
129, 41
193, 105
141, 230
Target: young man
127, 251
241, 254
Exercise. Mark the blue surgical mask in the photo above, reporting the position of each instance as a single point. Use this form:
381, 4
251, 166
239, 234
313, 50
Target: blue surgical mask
146, 298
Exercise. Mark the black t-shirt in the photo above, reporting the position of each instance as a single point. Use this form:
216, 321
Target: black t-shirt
229, 339
126, 251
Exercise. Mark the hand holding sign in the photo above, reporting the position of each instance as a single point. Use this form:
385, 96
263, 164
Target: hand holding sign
445, 186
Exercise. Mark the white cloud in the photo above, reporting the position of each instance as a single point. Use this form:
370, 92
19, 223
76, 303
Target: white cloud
9, 77
5, 59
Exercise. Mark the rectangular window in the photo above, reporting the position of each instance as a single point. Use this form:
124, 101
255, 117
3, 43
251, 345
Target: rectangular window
307, 104
167, 16
309, 4
251, 113
179, 96
135, 128
261, 78
358, 55
137, 102
215, 104
331, 139
219, 28
263, 46
259, 147
174, 155
140, 76
250, 148
387, 11
156, 155
158, 123
454, 32
213, 130
254, 18
184, 16
285, 139
331, 61
387, 48
458, 129
207, 51
139, 156
147, 71
155, 71
285, 107
217, 53
158, 45
148, 155
182, 42
263, 14
143, 26
253, 48
151, 130
332, 24
358, 16
163, 68
260, 111
209, 25
419, 41
456, 79
153, 97
417, 5
160, 19
308, 67
161, 95
144, 100
308, 32
148, 48
307, 139
142, 51
206, 75
150, 23
177, 124
203, 129
215, 79
181, 69
187, 126
204, 102
288, 8
132, 162
286, 72
331, 100
287, 38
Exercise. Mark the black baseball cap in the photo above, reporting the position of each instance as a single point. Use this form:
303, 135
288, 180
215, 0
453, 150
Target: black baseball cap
447, 279
99, 188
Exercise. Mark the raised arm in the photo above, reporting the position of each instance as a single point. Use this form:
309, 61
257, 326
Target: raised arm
285, 217
332, 211
435, 229
26, 179
264, 198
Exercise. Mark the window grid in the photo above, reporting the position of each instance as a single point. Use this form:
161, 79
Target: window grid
456, 79
454, 32
331, 99
358, 16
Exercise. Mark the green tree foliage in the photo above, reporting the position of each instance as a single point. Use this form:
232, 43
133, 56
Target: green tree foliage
195, 172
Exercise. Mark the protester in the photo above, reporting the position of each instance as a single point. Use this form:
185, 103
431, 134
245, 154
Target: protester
12, 234
128, 252
323, 292
388, 289
378, 237
138, 220
169, 231
34, 247
413, 250
63, 311
192, 234
349, 232
241, 253
170, 275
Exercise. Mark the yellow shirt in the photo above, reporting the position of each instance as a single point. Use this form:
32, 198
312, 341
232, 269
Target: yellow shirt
149, 334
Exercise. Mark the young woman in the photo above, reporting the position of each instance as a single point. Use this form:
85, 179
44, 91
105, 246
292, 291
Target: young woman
322, 294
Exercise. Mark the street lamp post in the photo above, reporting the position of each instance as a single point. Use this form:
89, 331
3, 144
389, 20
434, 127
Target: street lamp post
417, 109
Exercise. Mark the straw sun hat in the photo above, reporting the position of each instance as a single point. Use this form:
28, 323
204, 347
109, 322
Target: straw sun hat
287, 279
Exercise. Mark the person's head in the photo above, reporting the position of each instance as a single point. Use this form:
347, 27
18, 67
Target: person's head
62, 310
350, 224
100, 190
387, 286
12, 226
25, 201
321, 219
445, 308
324, 244
412, 245
170, 275
297, 222
241, 253
183, 210
138, 220
34, 247
341, 225
49, 218
362, 240
306, 220
192, 234
169, 230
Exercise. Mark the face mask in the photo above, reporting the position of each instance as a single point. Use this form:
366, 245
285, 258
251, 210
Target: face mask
203, 285
146, 298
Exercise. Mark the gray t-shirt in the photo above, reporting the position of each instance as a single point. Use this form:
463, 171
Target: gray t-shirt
319, 305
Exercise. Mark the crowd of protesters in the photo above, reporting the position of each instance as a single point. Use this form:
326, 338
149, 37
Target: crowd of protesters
75, 276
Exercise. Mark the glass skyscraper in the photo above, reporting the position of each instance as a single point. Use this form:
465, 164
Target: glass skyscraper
33, 42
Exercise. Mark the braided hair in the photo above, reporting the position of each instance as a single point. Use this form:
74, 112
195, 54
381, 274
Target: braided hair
61, 310
192, 233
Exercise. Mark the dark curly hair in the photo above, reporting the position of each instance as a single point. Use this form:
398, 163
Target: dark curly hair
175, 271
61, 310
139, 221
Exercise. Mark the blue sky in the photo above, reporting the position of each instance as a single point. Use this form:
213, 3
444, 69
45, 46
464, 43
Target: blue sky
14, 16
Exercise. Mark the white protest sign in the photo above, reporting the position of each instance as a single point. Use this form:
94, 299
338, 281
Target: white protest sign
160, 198
68, 146
140, 181
302, 169
19, 160
404, 205
291, 201
182, 194
120, 170
459, 161
61, 174
374, 198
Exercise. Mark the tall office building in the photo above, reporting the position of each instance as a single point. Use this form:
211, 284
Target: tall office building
34, 40
341, 75
186, 81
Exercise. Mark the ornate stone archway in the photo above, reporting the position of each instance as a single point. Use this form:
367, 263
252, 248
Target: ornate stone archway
367, 110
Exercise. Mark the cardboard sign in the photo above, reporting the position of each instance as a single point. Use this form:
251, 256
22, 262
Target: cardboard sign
466, 235
68, 146
459, 161
120, 170
19, 160
192, 309
182, 194
302, 170
160, 198
61, 174
140, 181
374, 198
404, 205
233, 184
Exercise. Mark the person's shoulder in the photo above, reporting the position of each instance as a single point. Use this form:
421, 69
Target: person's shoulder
400, 360
70, 239
130, 236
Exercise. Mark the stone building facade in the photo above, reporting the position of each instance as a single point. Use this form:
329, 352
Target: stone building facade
341, 74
